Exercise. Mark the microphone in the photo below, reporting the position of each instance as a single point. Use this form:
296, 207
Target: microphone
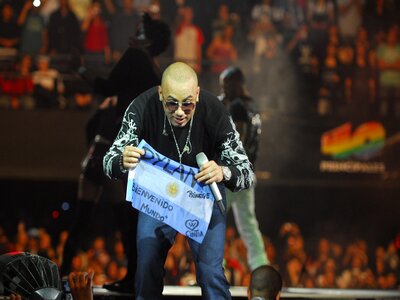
201, 159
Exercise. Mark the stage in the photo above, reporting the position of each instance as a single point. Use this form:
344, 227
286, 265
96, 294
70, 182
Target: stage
240, 293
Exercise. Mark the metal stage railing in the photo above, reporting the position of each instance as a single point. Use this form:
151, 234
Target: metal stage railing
190, 292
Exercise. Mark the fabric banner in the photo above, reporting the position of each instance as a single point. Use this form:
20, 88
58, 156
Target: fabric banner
167, 191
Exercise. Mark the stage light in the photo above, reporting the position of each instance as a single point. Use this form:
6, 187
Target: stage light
55, 214
36, 3
65, 206
31, 276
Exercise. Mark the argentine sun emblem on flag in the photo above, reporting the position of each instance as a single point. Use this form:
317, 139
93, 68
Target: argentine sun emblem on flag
167, 191
172, 189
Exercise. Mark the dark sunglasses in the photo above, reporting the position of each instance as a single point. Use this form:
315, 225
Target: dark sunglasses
186, 106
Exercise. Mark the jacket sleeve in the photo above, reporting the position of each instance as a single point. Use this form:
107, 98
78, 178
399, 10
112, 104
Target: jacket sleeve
233, 155
128, 135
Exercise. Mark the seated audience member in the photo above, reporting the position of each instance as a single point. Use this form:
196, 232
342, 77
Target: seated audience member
265, 284
16, 87
47, 83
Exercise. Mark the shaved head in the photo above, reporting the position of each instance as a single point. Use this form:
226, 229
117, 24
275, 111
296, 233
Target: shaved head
179, 72
179, 84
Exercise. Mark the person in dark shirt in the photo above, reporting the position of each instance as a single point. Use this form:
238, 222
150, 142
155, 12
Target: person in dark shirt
248, 123
135, 72
10, 32
179, 120
64, 32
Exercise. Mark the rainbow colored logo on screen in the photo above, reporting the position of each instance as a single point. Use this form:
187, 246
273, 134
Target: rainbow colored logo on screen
363, 143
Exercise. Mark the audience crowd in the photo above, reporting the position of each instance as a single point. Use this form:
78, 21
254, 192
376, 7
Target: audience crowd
322, 57
327, 264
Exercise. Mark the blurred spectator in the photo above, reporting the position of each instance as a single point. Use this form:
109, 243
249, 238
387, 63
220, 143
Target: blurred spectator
356, 274
330, 81
388, 63
320, 14
392, 257
64, 31
10, 32
96, 44
305, 61
235, 262
81, 8
364, 75
45, 245
345, 56
119, 254
154, 9
17, 86
123, 25
34, 32
267, 42
5, 243
221, 51
62, 238
224, 18
47, 84
293, 18
48, 7
294, 242
379, 15
271, 252
392, 281
293, 272
261, 11
189, 39
349, 18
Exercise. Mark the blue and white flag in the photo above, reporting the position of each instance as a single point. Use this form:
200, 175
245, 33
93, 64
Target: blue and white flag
167, 191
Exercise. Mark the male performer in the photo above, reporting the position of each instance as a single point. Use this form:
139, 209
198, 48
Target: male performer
248, 123
179, 121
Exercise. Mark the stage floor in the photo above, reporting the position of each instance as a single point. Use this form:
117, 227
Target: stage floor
186, 292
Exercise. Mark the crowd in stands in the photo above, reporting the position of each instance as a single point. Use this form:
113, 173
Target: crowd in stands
328, 264
318, 56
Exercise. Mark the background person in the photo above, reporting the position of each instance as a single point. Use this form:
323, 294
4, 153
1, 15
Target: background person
248, 123
265, 284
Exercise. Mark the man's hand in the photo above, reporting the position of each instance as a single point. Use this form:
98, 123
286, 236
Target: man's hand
131, 157
210, 172
80, 284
